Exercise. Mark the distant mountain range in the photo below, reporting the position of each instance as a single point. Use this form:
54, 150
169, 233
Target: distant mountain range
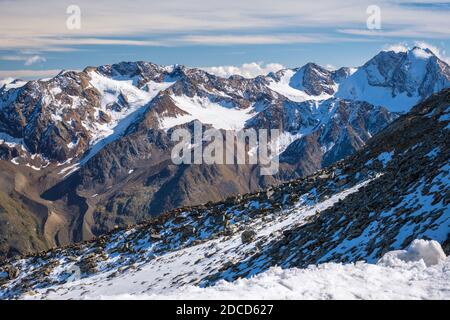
86, 152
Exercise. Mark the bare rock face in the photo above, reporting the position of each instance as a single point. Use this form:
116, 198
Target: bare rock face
317, 80
47, 115
248, 236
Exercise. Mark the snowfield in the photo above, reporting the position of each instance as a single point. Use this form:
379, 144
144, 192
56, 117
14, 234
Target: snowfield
420, 272
219, 115
328, 281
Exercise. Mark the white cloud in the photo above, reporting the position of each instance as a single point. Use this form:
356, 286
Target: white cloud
34, 59
330, 67
28, 74
403, 47
28, 60
398, 47
60, 44
12, 58
247, 70
6, 81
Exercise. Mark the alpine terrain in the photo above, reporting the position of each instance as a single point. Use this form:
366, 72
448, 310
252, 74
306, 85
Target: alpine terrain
374, 225
87, 156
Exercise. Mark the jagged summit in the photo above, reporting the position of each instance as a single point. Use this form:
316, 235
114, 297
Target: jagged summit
397, 79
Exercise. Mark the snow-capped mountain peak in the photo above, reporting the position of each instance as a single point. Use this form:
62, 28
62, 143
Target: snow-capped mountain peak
310, 82
397, 80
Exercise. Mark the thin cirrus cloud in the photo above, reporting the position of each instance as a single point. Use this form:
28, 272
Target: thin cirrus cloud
64, 43
249, 39
28, 74
28, 60
202, 22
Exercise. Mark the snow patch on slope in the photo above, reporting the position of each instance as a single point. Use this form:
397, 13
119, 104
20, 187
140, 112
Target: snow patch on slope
219, 115
11, 83
110, 91
357, 87
11, 141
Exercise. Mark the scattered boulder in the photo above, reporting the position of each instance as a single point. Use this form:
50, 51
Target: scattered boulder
231, 229
269, 193
11, 272
248, 236
88, 264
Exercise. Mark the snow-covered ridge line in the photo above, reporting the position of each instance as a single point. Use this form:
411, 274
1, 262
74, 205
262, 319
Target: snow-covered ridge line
296, 92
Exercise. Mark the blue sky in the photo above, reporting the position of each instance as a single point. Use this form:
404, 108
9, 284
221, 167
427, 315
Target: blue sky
35, 41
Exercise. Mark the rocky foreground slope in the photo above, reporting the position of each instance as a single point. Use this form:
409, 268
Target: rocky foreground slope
394, 190
84, 152
421, 272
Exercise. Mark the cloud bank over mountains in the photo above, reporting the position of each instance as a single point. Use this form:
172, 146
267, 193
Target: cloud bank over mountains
247, 70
